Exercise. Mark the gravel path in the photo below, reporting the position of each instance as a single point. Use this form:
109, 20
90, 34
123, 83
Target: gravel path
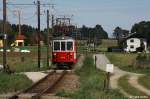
133, 80
101, 63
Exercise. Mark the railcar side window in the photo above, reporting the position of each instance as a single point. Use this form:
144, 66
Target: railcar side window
63, 47
70, 46
56, 45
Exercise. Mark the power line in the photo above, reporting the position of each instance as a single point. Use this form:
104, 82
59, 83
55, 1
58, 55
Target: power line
27, 18
29, 4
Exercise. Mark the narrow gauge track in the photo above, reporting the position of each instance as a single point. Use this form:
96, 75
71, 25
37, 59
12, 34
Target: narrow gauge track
43, 86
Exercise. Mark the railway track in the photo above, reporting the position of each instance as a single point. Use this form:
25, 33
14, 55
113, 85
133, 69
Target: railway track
43, 86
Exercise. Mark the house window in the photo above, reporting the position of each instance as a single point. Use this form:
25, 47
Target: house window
132, 46
132, 40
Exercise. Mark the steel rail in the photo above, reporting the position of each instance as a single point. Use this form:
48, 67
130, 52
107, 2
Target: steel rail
48, 89
35, 84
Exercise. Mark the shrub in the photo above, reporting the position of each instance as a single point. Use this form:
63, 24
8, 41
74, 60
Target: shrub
142, 61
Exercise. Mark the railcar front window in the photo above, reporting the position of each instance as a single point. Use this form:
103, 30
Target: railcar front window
70, 46
56, 46
63, 47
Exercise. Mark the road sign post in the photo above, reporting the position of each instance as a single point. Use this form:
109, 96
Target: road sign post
95, 59
109, 70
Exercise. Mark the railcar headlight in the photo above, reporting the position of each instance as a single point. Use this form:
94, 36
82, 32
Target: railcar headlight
54, 54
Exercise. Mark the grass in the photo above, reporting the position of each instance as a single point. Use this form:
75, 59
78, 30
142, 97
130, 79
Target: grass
91, 83
34, 48
123, 83
63, 93
105, 44
30, 60
13, 82
29, 64
145, 81
82, 48
126, 62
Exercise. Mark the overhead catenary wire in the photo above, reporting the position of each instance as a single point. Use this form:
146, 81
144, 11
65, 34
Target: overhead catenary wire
18, 5
30, 4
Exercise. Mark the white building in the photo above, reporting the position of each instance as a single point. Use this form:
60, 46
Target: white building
135, 45
1, 43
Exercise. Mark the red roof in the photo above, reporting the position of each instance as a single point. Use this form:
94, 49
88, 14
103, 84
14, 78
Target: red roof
20, 37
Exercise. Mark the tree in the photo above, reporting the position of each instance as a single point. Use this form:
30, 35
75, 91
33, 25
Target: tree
91, 33
99, 32
26, 30
8, 31
8, 27
142, 29
120, 33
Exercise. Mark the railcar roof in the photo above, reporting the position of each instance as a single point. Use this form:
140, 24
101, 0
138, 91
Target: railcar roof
63, 38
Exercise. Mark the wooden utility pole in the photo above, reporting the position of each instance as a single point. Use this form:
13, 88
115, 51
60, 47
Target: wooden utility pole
5, 36
19, 17
39, 46
48, 41
108, 81
52, 25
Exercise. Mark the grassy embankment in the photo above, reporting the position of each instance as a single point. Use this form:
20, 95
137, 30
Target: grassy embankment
92, 84
13, 82
124, 84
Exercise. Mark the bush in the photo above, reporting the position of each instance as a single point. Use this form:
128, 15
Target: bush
142, 61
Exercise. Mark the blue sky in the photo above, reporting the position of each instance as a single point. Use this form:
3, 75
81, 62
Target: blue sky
108, 13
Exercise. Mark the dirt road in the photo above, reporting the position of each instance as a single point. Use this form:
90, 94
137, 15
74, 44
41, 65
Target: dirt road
101, 63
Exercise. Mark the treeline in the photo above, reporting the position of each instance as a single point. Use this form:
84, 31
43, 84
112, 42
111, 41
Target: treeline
93, 33
28, 31
84, 32
31, 33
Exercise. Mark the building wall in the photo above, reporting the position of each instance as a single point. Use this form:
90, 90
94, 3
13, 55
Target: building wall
145, 43
133, 44
19, 41
1, 43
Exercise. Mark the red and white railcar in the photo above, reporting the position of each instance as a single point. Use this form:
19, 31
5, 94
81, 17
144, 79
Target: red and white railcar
64, 51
